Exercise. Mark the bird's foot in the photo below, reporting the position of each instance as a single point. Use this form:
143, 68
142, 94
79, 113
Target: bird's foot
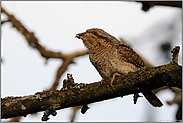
113, 77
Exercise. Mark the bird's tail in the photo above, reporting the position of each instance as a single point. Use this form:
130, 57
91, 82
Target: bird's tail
152, 98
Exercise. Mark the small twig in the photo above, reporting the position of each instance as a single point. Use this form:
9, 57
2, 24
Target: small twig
2, 22
74, 111
135, 97
175, 52
84, 108
160, 89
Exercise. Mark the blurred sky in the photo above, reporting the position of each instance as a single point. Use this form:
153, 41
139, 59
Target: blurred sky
55, 24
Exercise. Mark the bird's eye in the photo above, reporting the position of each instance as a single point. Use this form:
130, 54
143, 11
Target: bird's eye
95, 33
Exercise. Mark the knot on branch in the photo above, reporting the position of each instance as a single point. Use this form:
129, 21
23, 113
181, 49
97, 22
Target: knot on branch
175, 52
70, 84
135, 97
50, 110
84, 108
147, 5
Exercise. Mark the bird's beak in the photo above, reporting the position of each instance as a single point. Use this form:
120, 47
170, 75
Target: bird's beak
80, 35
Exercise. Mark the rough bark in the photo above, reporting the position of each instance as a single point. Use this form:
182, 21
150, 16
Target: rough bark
73, 94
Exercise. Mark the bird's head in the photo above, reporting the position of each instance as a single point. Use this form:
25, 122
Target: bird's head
96, 38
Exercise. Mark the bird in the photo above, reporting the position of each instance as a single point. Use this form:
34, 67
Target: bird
113, 58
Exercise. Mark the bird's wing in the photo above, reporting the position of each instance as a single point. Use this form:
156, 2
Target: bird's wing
129, 55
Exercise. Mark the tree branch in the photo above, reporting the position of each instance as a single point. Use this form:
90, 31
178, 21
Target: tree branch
33, 42
67, 61
73, 94
146, 5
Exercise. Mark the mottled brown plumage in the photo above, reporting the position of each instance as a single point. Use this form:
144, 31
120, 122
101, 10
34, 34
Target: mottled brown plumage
112, 57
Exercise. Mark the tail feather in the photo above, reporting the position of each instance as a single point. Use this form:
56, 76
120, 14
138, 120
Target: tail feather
152, 98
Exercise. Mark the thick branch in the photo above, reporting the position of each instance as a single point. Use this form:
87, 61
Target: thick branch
145, 79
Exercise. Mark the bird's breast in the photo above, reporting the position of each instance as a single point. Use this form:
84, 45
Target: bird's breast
109, 62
